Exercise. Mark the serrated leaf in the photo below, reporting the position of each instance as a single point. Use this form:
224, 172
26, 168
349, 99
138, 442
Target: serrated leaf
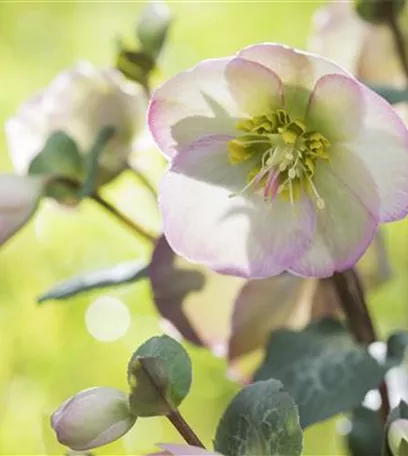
116, 275
59, 156
159, 375
261, 420
324, 370
367, 433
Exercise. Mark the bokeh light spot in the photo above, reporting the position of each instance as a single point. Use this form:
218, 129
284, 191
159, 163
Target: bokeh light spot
107, 319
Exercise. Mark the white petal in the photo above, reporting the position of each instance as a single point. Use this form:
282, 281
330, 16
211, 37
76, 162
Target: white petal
382, 148
299, 71
347, 224
336, 108
242, 235
193, 104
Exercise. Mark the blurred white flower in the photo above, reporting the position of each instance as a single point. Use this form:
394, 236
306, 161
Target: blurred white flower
93, 417
366, 50
80, 101
19, 197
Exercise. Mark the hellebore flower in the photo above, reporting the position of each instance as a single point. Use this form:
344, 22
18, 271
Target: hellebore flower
177, 449
93, 417
80, 101
19, 199
279, 160
367, 51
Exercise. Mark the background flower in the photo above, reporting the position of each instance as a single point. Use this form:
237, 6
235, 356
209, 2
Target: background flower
368, 51
80, 102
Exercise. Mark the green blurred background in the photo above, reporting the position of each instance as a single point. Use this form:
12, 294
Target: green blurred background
52, 351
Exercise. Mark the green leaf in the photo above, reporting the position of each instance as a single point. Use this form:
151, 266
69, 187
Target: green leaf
261, 420
159, 374
396, 348
397, 413
116, 275
391, 94
92, 162
59, 156
153, 27
324, 370
367, 433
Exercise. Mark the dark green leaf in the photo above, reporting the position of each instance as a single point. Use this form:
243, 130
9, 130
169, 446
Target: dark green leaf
153, 26
367, 433
159, 374
399, 412
116, 275
396, 347
261, 420
324, 370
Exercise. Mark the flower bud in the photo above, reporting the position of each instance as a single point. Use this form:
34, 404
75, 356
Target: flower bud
153, 27
79, 102
92, 418
397, 433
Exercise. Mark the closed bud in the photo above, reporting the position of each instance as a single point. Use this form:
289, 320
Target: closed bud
398, 437
153, 26
92, 418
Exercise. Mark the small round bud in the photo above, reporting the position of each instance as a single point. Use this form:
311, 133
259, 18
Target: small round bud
92, 418
397, 433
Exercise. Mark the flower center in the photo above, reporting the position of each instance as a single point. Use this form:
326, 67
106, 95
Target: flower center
284, 153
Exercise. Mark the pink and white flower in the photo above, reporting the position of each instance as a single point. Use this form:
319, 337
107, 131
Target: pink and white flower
279, 160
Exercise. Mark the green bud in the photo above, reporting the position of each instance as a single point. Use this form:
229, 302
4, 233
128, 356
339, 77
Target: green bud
153, 26
92, 418
379, 11
398, 437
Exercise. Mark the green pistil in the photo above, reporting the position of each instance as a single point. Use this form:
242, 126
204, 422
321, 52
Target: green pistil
285, 154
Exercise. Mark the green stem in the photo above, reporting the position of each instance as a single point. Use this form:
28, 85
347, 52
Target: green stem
351, 294
123, 218
144, 180
184, 429
398, 37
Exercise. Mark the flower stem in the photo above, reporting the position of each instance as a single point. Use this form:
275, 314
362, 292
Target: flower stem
351, 295
184, 429
122, 217
144, 180
397, 35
